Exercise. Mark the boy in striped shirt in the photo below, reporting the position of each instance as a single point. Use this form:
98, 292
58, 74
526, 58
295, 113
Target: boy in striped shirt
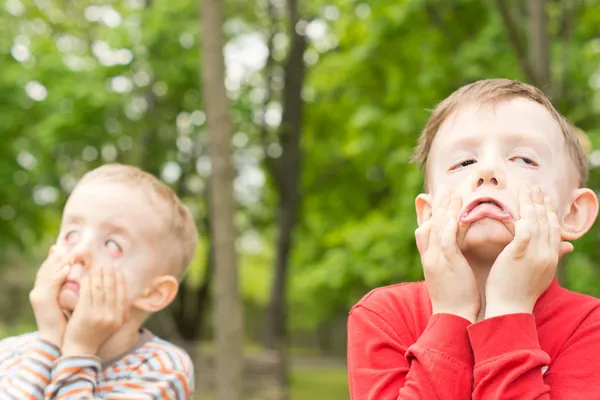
124, 243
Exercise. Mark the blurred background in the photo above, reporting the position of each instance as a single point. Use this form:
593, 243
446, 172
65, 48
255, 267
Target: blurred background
327, 99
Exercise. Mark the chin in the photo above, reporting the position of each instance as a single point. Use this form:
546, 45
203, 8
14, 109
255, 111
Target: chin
485, 239
67, 300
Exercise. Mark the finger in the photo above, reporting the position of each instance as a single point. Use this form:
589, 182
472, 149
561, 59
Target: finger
85, 292
527, 211
56, 258
422, 237
439, 219
441, 203
541, 214
554, 235
522, 238
565, 248
448, 242
97, 288
53, 268
110, 288
454, 206
61, 274
121, 297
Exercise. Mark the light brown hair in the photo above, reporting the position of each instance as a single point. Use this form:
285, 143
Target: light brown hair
494, 91
180, 227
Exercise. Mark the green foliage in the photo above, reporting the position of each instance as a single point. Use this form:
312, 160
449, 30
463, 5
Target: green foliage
82, 85
369, 100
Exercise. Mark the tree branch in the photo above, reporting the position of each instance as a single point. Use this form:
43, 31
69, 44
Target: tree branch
517, 42
567, 25
271, 163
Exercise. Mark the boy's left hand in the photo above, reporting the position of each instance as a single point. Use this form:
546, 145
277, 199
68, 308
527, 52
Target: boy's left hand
101, 310
526, 267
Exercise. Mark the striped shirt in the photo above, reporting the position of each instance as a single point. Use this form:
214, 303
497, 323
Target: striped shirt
31, 368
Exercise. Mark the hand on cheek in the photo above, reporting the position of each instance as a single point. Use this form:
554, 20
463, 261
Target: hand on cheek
43, 297
526, 267
100, 312
449, 278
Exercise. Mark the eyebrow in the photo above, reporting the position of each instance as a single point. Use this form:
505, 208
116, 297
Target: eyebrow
463, 142
77, 219
515, 138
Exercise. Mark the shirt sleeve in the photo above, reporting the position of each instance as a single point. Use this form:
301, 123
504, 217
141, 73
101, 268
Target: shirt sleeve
73, 378
25, 374
384, 364
510, 364
166, 376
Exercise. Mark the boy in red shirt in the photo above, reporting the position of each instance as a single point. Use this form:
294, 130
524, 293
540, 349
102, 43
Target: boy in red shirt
505, 192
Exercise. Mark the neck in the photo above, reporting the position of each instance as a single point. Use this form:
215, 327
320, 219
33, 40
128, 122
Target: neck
121, 341
481, 270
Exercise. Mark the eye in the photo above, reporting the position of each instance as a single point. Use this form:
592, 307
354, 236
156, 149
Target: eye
114, 248
71, 236
524, 160
464, 163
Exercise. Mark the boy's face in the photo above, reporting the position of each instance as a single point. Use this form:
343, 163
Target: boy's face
488, 153
109, 223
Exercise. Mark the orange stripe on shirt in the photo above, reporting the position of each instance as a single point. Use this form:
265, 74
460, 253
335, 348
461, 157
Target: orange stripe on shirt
36, 374
73, 392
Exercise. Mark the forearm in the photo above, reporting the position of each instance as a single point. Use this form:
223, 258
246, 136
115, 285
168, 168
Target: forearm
437, 366
508, 358
26, 375
74, 378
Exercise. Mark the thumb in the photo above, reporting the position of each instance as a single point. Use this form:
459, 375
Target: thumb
61, 274
521, 240
422, 237
565, 248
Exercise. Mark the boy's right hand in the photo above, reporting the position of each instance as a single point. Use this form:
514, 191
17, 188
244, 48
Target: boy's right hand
49, 317
450, 280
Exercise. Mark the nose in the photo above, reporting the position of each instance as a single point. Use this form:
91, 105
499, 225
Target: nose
82, 253
488, 174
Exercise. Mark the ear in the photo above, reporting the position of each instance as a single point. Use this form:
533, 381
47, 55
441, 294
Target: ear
581, 215
423, 207
161, 293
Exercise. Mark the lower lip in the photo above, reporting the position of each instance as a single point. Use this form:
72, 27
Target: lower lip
72, 286
486, 211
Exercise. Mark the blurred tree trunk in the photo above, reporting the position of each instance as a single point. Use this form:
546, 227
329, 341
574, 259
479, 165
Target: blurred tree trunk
287, 177
189, 308
539, 45
228, 306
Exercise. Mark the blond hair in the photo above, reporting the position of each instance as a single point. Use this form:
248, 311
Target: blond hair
181, 227
494, 91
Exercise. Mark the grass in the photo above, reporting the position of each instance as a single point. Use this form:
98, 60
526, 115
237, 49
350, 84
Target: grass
311, 384
317, 383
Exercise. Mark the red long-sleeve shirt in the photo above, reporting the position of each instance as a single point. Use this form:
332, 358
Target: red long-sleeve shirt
398, 350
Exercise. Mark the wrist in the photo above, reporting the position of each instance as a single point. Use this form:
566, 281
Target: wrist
51, 338
71, 349
468, 315
496, 308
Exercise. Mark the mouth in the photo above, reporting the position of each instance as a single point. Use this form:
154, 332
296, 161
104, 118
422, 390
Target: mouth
71, 285
485, 207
